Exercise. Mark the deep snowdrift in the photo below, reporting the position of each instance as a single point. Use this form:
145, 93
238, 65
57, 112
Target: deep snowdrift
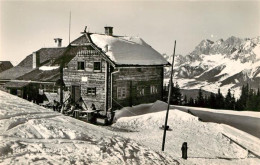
140, 109
30, 134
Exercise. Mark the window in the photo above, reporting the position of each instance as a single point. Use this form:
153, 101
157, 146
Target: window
91, 91
121, 92
97, 66
140, 91
153, 89
81, 65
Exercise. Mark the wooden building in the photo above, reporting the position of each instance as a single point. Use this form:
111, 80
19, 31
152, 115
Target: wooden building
34, 74
113, 71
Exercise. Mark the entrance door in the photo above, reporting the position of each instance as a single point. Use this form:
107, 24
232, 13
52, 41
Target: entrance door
75, 93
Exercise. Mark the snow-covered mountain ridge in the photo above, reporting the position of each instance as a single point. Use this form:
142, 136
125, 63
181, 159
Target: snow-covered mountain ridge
221, 64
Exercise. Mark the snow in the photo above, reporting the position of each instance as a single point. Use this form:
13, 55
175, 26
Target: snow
128, 50
30, 134
231, 65
231, 68
47, 68
239, 113
256, 50
207, 143
140, 110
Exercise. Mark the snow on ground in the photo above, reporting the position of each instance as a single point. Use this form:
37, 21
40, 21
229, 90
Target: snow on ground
30, 134
206, 142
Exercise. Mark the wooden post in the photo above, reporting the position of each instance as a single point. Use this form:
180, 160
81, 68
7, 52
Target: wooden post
169, 98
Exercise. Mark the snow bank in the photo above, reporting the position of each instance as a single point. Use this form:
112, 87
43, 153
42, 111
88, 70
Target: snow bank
140, 109
30, 134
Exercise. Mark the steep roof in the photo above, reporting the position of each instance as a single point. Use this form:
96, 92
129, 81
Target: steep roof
45, 56
14, 72
128, 50
41, 75
4, 65
80, 41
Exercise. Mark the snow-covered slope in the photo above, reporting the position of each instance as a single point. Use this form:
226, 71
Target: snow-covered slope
30, 134
221, 64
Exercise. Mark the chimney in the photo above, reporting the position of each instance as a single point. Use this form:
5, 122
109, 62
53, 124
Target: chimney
36, 60
58, 41
109, 30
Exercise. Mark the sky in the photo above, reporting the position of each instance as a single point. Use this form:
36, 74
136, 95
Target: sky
26, 26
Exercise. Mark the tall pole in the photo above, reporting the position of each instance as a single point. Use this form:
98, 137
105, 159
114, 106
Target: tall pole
61, 83
169, 98
69, 26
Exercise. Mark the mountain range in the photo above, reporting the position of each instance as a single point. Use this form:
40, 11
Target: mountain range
225, 64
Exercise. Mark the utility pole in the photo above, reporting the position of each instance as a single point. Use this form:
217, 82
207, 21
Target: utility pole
169, 98
69, 26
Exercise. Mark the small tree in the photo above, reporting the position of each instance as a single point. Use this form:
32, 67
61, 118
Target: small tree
185, 100
228, 100
176, 94
219, 100
200, 99
212, 100
191, 102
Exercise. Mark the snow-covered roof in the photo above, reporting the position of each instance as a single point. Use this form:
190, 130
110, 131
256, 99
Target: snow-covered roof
44, 68
128, 50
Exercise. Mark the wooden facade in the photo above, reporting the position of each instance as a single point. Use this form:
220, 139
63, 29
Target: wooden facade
139, 85
83, 80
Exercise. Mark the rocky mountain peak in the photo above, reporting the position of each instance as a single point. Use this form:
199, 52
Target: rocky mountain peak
222, 64
203, 47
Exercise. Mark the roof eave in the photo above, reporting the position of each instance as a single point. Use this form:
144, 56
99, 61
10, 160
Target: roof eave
140, 66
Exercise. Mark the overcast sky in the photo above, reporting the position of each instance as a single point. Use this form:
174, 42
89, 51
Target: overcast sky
27, 26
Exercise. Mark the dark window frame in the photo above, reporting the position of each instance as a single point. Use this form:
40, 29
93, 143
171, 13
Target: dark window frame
140, 91
91, 91
121, 93
95, 69
81, 65
153, 89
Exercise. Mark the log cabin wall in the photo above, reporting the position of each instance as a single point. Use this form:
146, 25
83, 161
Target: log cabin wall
133, 86
90, 81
